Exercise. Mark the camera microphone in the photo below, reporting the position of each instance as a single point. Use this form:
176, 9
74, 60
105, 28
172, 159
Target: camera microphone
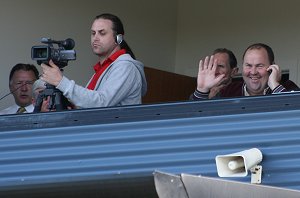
68, 44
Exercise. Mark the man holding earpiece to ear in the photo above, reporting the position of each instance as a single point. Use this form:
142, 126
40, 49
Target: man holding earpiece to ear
119, 79
260, 74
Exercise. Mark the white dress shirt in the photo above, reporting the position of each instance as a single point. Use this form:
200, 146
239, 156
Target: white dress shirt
14, 108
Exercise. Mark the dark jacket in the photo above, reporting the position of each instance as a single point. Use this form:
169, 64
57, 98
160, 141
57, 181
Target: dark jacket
235, 89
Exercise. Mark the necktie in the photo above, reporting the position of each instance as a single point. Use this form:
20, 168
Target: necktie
21, 110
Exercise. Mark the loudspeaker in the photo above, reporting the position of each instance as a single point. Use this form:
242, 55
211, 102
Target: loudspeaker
238, 164
119, 39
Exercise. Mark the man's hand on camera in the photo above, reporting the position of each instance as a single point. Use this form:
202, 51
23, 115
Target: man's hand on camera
51, 73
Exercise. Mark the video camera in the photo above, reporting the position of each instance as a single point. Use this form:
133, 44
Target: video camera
60, 56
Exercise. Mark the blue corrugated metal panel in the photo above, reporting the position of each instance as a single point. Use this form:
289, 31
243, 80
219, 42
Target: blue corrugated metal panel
42, 151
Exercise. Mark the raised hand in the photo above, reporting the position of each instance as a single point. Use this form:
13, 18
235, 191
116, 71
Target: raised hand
207, 78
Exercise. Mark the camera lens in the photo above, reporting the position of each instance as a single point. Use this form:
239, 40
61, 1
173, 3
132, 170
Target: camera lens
40, 53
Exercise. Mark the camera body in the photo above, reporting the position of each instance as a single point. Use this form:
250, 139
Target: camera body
60, 56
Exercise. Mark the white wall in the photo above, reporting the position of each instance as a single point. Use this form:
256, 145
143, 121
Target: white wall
235, 24
150, 30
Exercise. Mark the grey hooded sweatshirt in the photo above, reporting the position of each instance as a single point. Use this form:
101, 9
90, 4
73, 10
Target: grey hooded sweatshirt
122, 83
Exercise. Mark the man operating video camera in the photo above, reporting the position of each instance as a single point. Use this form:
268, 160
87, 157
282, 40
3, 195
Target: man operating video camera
119, 79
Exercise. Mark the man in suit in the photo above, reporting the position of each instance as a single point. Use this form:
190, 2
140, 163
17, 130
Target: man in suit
21, 78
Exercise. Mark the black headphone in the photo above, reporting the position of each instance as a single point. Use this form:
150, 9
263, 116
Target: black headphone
119, 39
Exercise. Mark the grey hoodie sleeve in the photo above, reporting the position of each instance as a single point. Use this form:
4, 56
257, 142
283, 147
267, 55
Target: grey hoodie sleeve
121, 84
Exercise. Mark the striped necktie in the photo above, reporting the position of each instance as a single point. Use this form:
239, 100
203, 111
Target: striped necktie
21, 110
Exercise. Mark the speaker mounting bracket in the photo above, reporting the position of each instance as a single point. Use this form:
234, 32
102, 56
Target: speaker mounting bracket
256, 173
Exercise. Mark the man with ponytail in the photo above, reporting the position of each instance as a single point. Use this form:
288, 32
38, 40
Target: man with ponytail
119, 79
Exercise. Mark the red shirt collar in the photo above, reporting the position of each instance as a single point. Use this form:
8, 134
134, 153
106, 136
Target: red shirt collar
109, 60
